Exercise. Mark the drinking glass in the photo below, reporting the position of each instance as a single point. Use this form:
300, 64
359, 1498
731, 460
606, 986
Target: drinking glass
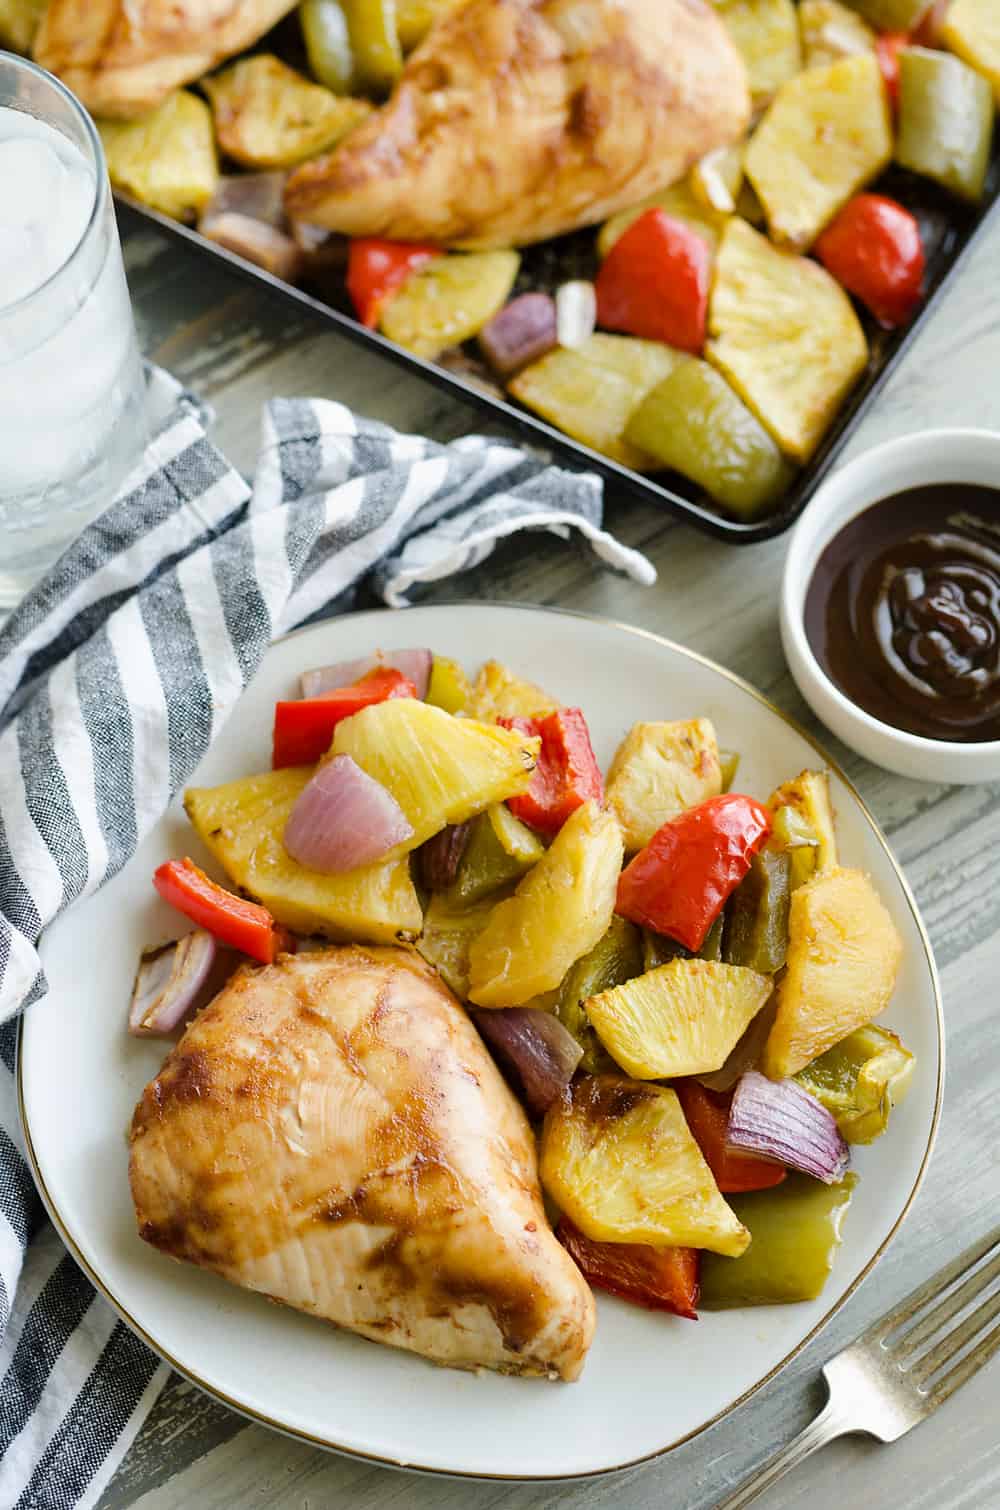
72, 396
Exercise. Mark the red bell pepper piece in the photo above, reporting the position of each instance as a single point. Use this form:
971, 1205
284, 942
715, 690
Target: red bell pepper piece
661, 1279
232, 920
654, 282
304, 728
376, 268
567, 774
680, 882
887, 50
873, 248
707, 1114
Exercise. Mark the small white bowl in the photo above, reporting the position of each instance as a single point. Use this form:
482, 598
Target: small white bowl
970, 456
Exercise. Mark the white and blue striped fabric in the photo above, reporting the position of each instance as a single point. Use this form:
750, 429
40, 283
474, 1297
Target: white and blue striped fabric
115, 674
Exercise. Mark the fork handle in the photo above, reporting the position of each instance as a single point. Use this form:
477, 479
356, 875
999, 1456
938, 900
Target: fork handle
829, 1424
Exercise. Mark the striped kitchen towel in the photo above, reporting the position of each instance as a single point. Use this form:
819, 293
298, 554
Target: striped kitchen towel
115, 674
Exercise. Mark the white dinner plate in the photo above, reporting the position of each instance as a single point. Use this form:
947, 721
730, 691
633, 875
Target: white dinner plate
651, 1380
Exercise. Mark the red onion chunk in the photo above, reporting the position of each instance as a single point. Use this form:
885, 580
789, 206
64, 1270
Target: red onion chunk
261, 196
777, 1119
524, 330
438, 858
168, 983
414, 664
535, 1045
343, 819
256, 241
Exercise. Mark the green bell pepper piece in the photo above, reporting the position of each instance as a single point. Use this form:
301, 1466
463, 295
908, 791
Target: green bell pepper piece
487, 863
794, 835
860, 1080
614, 959
328, 44
729, 761
795, 1233
756, 933
448, 687
945, 120
375, 42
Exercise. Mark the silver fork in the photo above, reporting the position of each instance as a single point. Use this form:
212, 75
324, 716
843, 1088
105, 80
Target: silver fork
904, 1366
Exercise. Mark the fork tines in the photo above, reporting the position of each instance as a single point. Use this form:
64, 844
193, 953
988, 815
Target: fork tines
941, 1324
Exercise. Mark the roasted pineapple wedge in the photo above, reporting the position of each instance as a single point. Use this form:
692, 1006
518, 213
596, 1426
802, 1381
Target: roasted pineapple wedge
167, 159
843, 955
830, 31
243, 822
447, 938
826, 134
440, 769
558, 913
659, 770
498, 693
620, 1161
19, 20
269, 116
972, 30
785, 335
767, 34
449, 300
860, 1080
682, 201
591, 391
682, 1018
809, 794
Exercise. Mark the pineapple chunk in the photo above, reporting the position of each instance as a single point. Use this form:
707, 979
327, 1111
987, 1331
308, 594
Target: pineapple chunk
680, 1019
809, 794
681, 201
449, 300
972, 30
448, 936
498, 693
620, 1161
717, 178
440, 769
167, 159
831, 31
827, 134
766, 32
243, 822
591, 391
785, 335
269, 116
843, 955
658, 770
558, 913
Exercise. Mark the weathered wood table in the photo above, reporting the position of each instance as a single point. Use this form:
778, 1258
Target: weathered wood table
236, 346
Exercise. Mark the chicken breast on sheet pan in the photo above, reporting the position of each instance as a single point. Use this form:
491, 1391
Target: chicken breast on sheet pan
123, 57
331, 1131
516, 120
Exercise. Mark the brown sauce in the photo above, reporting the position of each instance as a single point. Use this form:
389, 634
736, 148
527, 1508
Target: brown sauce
903, 611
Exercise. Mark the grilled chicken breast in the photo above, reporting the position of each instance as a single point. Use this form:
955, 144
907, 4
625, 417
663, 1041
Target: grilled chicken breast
516, 120
331, 1132
123, 57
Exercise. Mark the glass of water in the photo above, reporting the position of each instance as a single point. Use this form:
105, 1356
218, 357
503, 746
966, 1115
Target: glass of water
72, 396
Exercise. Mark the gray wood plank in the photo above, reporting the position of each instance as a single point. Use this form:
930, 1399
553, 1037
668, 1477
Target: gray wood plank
238, 348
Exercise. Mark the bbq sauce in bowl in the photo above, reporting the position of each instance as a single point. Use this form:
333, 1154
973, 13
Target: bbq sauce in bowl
903, 611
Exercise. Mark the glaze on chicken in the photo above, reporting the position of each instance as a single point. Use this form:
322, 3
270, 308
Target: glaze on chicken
331, 1132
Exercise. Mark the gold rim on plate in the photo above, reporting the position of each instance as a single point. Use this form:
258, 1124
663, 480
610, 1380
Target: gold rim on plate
325, 1444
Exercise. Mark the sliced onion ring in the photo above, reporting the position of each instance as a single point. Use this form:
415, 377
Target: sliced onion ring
414, 664
535, 1045
343, 818
168, 983
777, 1119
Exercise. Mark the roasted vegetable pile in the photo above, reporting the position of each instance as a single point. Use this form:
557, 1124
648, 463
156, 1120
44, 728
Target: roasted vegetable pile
744, 299
679, 981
